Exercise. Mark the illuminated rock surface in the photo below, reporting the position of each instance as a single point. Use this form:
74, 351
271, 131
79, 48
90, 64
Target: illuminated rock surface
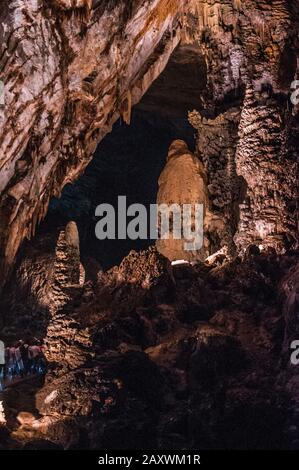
145, 355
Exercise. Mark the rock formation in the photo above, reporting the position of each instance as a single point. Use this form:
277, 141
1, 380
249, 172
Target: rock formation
250, 50
69, 71
216, 145
66, 82
146, 355
149, 347
183, 182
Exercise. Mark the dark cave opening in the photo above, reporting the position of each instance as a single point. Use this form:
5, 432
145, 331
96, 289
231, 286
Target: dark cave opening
129, 160
128, 163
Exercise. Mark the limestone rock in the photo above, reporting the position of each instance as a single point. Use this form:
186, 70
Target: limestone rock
67, 71
183, 181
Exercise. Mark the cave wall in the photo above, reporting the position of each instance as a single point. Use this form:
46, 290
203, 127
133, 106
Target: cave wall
251, 52
69, 70
204, 342
216, 147
66, 82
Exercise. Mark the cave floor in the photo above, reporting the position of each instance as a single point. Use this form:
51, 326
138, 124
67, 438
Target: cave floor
147, 357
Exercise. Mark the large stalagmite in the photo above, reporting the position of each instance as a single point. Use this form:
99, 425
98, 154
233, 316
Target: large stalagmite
182, 182
183, 187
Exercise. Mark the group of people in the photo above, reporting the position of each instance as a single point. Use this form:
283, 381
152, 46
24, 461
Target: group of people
21, 359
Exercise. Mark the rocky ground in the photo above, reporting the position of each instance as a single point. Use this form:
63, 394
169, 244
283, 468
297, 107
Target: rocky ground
154, 356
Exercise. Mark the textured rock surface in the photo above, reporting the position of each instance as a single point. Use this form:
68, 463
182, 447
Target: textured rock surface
183, 182
269, 167
216, 147
250, 49
147, 356
154, 357
66, 81
48, 277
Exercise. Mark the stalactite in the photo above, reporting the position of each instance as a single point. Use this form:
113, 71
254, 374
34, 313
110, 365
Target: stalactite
190, 11
237, 4
74, 8
205, 15
261, 30
217, 16
126, 108
261, 27
34, 221
209, 16
73, 4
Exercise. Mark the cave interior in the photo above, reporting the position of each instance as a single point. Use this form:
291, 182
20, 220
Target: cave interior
188, 100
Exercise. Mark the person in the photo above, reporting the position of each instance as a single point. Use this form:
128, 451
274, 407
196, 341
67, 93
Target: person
42, 364
6, 361
19, 361
2, 364
11, 364
34, 354
24, 350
